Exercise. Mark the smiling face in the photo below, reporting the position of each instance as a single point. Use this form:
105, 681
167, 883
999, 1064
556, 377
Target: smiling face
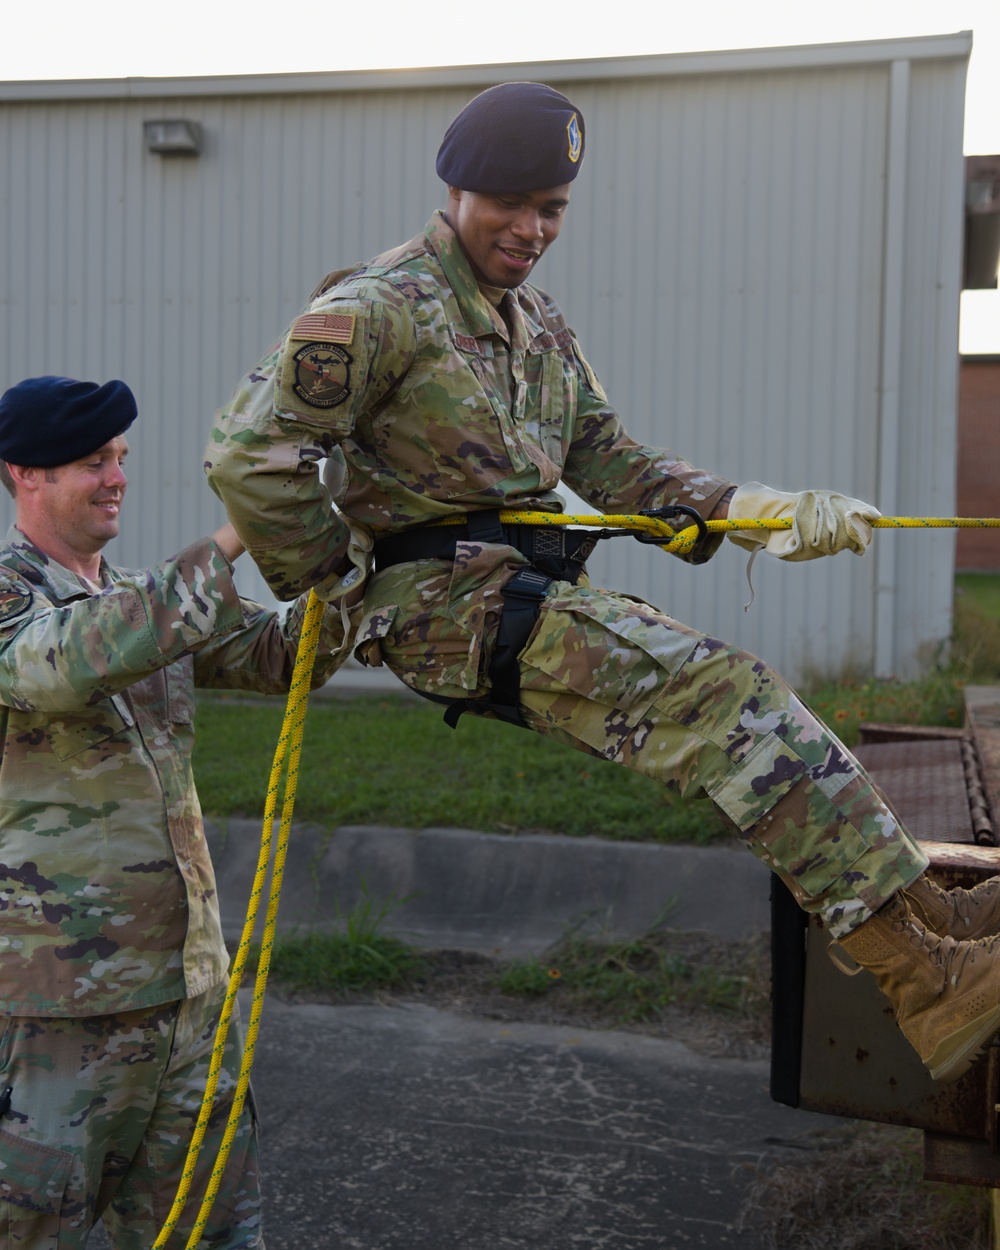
504, 236
71, 512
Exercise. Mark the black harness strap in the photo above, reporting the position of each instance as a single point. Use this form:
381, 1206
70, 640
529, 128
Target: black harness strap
557, 551
485, 527
522, 599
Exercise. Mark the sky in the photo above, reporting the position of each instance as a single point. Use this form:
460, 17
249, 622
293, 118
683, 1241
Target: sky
183, 38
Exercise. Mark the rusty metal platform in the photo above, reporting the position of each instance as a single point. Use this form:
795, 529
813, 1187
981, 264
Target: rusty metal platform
925, 783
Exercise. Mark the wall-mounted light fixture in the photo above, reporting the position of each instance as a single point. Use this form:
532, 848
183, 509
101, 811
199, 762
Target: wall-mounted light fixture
173, 137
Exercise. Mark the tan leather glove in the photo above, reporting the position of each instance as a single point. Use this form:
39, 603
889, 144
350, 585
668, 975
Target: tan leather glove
823, 522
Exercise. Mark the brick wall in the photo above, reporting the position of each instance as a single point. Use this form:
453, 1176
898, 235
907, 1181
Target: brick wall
979, 459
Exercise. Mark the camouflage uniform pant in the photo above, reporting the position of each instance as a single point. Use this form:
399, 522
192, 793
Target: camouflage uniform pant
101, 1116
612, 676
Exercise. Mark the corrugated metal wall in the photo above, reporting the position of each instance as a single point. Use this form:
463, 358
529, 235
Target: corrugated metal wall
761, 260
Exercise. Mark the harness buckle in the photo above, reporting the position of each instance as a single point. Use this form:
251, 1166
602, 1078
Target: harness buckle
527, 584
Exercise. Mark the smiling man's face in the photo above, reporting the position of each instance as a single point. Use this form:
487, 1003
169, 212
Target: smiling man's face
72, 511
505, 235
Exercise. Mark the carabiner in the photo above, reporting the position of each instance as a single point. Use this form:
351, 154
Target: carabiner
668, 513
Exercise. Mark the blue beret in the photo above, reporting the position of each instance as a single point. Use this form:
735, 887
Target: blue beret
50, 421
518, 136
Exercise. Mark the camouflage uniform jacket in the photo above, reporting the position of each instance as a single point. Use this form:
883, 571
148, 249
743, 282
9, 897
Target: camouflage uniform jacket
107, 893
425, 401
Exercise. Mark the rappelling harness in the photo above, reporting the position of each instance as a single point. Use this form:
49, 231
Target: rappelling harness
553, 554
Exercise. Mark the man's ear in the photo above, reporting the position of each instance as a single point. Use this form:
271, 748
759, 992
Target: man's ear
24, 476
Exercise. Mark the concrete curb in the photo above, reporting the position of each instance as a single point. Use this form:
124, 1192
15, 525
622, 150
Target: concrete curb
507, 894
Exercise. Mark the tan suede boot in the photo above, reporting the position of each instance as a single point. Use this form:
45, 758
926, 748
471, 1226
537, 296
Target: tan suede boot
946, 993
957, 913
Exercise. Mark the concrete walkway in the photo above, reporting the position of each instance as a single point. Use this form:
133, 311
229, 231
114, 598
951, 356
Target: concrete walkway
408, 1128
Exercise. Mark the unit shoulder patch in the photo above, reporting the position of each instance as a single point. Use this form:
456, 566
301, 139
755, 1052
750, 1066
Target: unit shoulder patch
14, 602
322, 374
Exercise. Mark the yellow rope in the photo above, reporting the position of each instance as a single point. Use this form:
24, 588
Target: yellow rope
290, 742
675, 541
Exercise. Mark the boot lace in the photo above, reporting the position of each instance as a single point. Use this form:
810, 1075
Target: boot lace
952, 955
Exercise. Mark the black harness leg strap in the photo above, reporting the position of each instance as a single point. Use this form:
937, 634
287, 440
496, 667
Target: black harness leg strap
523, 596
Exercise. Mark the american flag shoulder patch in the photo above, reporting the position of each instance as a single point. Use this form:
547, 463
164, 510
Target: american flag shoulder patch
324, 327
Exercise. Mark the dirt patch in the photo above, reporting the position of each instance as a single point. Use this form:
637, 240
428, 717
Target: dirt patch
469, 983
860, 1186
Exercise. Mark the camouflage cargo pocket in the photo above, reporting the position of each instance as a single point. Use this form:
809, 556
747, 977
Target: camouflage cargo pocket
69, 734
429, 651
374, 626
760, 779
611, 649
811, 831
33, 1182
549, 422
431, 621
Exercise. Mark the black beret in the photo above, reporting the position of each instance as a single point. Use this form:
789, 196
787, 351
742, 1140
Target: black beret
518, 136
49, 421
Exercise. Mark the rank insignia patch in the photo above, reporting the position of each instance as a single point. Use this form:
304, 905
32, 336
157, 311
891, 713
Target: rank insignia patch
330, 327
13, 603
322, 375
575, 138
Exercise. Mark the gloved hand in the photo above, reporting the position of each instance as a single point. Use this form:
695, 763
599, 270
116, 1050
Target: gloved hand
823, 522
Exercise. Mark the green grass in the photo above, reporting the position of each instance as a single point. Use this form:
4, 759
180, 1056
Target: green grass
982, 591
330, 962
844, 705
392, 760
976, 649
357, 956
613, 982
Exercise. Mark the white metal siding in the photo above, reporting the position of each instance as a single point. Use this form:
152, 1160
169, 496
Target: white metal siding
761, 260
733, 314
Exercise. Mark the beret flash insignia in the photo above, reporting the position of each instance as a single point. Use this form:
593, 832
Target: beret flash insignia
575, 138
